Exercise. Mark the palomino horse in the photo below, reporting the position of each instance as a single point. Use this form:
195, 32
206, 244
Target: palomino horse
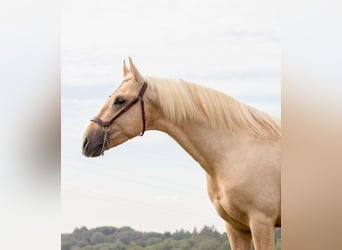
238, 146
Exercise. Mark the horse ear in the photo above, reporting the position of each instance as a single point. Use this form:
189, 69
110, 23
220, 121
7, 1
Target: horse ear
125, 69
135, 73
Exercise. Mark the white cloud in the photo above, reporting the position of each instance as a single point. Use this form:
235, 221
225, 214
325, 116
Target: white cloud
167, 38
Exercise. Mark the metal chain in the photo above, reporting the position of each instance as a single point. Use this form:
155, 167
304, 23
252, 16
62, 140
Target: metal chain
105, 138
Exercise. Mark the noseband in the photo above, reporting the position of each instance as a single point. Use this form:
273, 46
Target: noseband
106, 125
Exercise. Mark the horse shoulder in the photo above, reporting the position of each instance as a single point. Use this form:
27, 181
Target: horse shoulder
252, 184
228, 213
248, 181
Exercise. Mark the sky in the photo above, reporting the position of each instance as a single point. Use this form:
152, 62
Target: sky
150, 183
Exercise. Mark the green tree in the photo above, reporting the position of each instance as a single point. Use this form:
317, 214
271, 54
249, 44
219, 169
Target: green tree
126, 238
89, 247
167, 235
67, 242
278, 245
107, 246
107, 230
97, 238
118, 246
133, 246
179, 235
76, 248
209, 231
153, 240
224, 246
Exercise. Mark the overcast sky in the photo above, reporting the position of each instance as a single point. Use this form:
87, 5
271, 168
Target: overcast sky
150, 183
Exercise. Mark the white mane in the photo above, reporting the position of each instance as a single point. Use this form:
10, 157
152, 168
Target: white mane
181, 101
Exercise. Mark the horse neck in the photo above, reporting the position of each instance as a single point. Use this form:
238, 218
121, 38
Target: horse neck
206, 145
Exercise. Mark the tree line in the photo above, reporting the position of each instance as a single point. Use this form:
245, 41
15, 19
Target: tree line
126, 238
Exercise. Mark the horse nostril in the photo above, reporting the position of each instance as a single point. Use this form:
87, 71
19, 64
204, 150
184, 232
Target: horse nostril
85, 143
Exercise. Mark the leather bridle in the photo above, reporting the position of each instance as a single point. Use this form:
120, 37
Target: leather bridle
106, 125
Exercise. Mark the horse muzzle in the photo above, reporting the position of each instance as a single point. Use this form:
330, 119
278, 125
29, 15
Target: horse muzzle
91, 148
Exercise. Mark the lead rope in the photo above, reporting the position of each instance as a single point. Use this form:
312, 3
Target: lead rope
105, 138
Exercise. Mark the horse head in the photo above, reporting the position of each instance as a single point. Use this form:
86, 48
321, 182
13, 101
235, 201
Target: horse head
122, 117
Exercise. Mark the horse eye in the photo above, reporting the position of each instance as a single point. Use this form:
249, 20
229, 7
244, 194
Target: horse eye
119, 101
